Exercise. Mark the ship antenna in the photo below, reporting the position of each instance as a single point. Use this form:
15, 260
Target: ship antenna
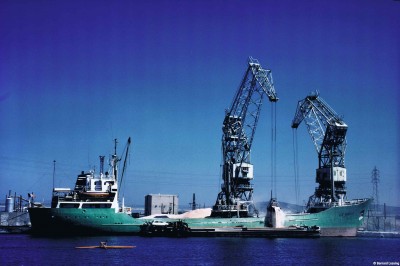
115, 146
54, 171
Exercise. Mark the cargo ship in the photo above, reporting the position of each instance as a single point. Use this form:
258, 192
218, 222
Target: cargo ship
92, 207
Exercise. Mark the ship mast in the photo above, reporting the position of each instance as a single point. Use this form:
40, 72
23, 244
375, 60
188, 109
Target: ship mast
115, 160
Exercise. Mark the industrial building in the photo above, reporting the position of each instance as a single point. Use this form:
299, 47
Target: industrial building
160, 204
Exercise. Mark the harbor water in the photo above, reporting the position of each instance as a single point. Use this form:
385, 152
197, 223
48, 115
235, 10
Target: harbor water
24, 249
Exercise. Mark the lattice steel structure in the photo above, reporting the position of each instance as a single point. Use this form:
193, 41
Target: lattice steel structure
238, 128
328, 133
375, 179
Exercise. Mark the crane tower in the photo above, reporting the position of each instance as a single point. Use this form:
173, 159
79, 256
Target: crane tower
375, 178
328, 133
239, 126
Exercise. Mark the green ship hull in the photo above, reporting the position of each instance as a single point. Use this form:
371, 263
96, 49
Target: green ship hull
82, 221
335, 221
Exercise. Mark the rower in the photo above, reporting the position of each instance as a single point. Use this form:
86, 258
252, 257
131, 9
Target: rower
103, 244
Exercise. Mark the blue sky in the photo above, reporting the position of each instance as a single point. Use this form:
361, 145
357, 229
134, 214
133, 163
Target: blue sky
74, 75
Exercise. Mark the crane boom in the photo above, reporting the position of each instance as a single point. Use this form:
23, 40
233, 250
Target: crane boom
328, 133
238, 128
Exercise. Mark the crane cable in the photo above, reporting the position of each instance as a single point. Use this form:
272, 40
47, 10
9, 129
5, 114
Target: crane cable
296, 166
273, 148
127, 155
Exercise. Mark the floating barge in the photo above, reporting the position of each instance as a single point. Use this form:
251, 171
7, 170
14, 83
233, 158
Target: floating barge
181, 229
290, 232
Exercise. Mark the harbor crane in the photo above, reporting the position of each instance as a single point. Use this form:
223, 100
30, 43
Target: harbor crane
328, 133
239, 126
